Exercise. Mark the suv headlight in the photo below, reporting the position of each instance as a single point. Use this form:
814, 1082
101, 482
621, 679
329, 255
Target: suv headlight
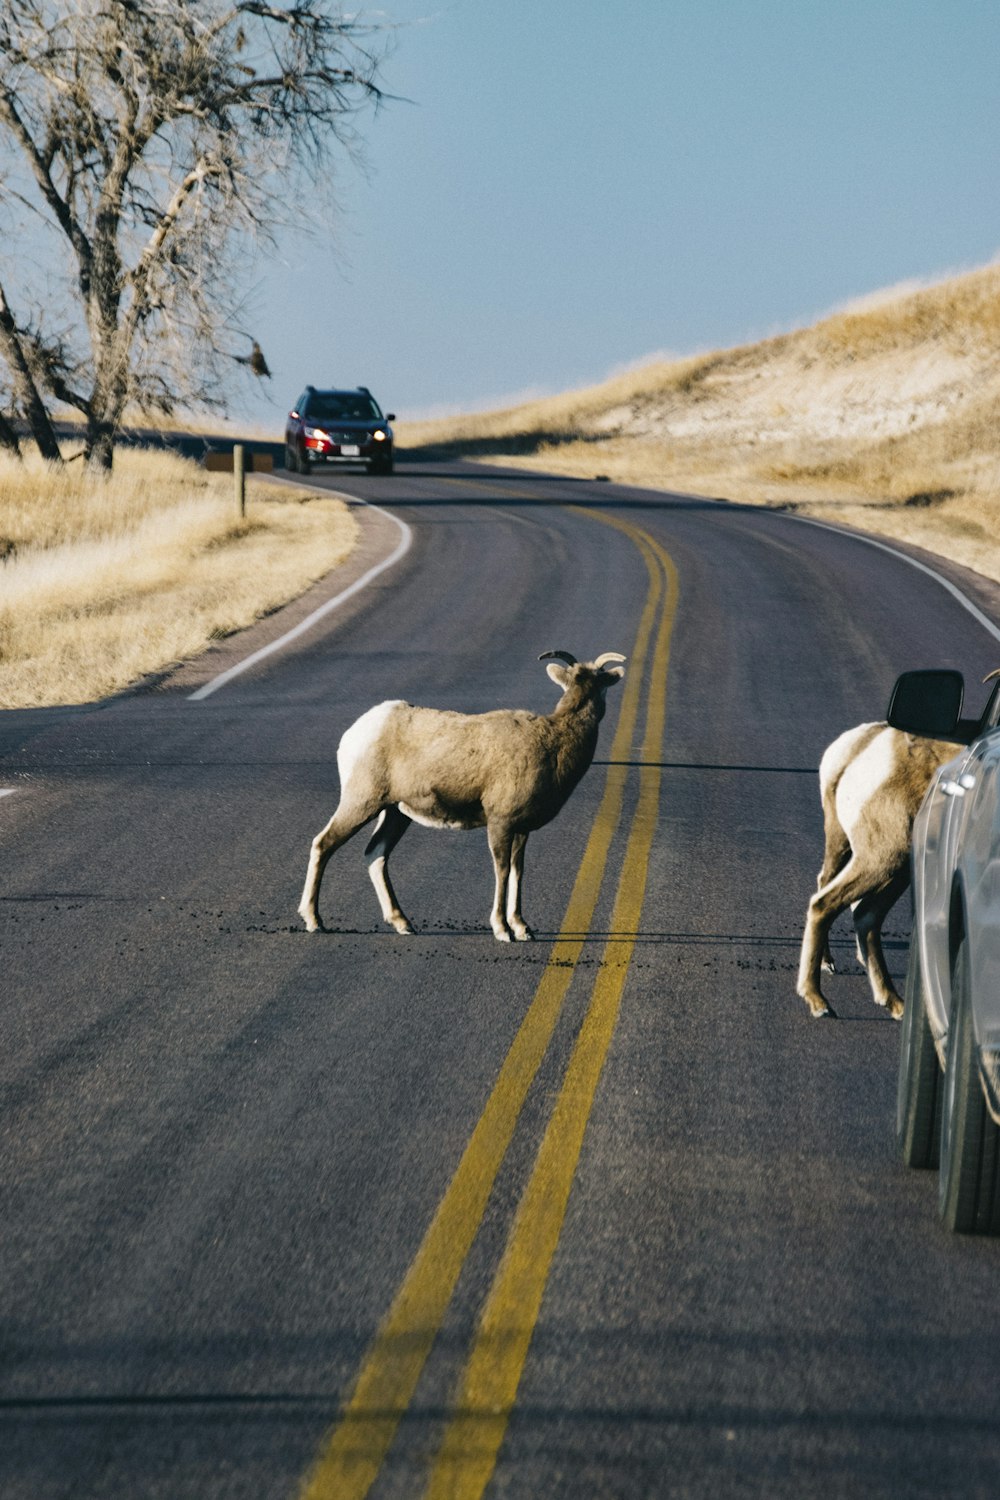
379, 435
315, 432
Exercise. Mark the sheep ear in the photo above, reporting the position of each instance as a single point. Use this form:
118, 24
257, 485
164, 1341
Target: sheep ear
611, 675
558, 673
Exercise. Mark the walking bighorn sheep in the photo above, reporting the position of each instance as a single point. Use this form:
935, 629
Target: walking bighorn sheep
872, 782
509, 770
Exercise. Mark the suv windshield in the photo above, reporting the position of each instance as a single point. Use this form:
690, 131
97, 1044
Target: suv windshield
342, 406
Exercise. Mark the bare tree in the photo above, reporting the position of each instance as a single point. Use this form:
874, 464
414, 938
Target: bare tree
159, 143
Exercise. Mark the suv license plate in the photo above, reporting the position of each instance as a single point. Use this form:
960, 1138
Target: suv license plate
349, 450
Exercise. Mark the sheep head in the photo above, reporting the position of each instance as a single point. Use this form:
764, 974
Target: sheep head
587, 674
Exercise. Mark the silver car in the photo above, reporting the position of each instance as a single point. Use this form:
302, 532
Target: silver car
948, 1107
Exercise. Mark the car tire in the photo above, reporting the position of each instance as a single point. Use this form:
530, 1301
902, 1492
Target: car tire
380, 466
302, 464
918, 1095
291, 462
969, 1182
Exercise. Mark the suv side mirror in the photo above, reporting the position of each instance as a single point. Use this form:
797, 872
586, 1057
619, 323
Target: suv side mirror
390, 416
928, 703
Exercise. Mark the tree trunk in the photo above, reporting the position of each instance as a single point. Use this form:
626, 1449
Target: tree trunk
26, 394
99, 450
108, 395
8, 437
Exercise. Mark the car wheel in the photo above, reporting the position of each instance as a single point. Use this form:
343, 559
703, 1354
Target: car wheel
918, 1124
380, 466
969, 1184
302, 463
291, 462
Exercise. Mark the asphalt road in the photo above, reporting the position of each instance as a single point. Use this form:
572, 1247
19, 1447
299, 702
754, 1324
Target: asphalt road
607, 1215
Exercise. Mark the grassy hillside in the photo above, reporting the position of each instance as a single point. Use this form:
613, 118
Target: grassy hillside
885, 416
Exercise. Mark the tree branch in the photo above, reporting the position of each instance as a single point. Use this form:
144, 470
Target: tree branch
74, 233
25, 390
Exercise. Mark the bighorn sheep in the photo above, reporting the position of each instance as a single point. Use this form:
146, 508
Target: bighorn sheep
509, 770
872, 782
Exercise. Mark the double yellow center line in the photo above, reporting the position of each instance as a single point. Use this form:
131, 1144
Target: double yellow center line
356, 1448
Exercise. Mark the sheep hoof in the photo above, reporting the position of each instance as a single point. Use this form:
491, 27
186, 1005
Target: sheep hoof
890, 1002
523, 935
819, 1007
828, 966
312, 921
401, 925
501, 934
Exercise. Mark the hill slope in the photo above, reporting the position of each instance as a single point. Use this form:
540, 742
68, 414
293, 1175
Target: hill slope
885, 415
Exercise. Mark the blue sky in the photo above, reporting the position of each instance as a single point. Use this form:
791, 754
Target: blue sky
578, 185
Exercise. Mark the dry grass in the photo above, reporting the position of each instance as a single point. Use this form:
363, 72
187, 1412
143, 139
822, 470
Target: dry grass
104, 581
884, 415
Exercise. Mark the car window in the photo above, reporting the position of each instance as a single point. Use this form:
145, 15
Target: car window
343, 406
991, 717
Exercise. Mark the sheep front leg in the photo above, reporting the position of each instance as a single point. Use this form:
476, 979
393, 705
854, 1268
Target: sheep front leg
500, 847
515, 921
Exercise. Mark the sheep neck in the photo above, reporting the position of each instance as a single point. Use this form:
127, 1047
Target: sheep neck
575, 722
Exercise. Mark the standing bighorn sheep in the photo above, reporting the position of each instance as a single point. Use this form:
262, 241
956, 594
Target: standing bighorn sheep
509, 770
872, 782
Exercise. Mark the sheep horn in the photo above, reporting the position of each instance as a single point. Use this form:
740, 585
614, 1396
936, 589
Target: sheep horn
560, 655
608, 656
994, 673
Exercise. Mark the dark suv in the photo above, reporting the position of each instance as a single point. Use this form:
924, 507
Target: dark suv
338, 427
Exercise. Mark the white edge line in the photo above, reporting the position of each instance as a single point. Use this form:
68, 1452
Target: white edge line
858, 536
405, 542
7, 791
861, 536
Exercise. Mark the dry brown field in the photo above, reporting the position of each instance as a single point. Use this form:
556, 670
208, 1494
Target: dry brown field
104, 581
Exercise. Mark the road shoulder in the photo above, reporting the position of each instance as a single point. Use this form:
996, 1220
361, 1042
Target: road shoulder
377, 540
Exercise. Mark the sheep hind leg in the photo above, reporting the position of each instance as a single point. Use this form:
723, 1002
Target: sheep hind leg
344, 824
389, 829
869, 914
850, 885
515, 920
500, 847
835, 856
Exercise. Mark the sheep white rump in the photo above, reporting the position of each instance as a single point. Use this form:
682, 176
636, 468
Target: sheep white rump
872, 782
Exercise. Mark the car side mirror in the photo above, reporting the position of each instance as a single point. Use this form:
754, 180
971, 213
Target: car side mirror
294, 416
928, 703
390, 416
